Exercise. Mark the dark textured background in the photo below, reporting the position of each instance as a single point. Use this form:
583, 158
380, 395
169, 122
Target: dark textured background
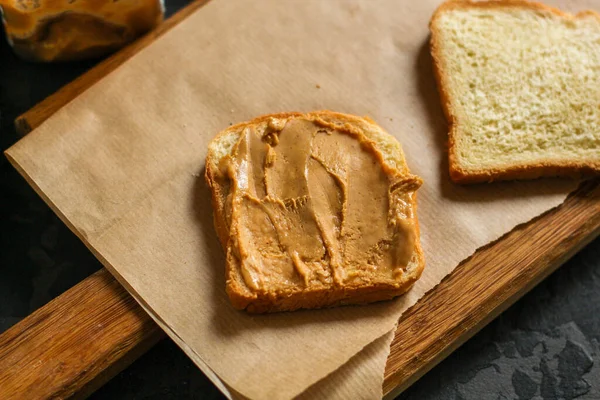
544, 347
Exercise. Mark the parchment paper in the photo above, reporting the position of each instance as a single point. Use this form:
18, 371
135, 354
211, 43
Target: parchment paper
123, 163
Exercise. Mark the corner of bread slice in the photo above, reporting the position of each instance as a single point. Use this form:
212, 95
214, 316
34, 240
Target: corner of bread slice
257, 301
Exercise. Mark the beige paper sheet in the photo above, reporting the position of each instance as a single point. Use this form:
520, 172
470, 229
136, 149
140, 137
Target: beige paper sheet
122, 165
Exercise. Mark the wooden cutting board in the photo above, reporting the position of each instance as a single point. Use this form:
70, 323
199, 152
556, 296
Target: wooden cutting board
80, 340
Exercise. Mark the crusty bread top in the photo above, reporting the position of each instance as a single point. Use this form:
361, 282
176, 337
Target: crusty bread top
388, 150
520, 87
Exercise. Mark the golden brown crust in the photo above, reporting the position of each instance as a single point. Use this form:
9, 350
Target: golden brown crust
242, 298
523, 171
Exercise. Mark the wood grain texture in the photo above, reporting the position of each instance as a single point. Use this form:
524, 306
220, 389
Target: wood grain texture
487, 283
75, 343
38, 114
81, 339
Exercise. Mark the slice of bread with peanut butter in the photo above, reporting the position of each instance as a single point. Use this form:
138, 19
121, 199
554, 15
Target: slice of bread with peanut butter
313, 210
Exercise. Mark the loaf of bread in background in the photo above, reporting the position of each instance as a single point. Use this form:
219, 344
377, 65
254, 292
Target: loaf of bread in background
312, 294
520, 87
66, 30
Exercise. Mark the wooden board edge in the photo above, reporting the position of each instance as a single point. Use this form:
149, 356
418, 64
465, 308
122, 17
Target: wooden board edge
80, 384
391, 391
441, 333
77, 342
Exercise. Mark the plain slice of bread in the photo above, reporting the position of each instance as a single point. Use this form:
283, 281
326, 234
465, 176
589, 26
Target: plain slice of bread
520, 87
243, 297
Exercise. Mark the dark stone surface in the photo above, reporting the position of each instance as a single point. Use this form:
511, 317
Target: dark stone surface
544, 347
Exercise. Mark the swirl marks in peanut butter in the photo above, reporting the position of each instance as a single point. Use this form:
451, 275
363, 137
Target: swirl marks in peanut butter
314, 206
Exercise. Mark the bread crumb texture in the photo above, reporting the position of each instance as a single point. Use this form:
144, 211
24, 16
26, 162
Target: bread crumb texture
522, 83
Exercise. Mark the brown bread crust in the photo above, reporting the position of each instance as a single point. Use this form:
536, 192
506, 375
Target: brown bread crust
242, 298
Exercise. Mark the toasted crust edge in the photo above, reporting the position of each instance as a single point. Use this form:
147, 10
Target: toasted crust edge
242, 299
514, 172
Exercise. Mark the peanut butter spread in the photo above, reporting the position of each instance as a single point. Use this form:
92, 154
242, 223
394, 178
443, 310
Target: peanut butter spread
313, 204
